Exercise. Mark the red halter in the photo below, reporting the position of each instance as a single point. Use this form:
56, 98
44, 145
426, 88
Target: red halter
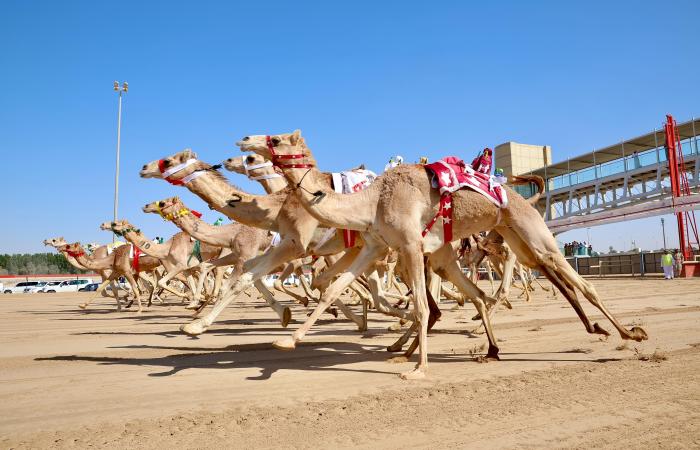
276, 158
161, 167
74, 254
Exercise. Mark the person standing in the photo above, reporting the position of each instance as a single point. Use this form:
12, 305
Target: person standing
678, 260
667, 265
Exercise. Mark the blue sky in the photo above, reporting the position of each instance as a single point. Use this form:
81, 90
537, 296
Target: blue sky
362, 80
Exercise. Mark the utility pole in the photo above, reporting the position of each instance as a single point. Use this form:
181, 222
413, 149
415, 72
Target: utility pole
663, 231
122, 90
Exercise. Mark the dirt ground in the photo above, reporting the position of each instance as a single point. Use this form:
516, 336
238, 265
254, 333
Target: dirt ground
97, 378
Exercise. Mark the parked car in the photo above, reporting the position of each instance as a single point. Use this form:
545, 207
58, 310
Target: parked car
34, 289
51, 285
19, 287
89, 287
70, 285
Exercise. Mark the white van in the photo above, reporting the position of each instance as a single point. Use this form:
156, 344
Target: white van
20, 287
69, 285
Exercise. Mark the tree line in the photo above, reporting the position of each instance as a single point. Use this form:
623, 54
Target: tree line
37, 263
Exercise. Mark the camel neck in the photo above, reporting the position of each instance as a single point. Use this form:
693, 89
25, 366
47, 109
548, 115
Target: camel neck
217, 235
146, 245
72, 261
347, 211
94, 264
255, 210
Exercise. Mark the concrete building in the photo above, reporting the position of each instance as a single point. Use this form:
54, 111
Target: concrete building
515, 158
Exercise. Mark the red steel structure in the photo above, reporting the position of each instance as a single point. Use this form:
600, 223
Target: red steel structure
687, 226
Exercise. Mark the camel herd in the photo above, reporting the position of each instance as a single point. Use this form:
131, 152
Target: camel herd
300, 218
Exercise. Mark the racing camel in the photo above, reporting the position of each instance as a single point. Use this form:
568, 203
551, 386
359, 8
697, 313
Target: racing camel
394, 211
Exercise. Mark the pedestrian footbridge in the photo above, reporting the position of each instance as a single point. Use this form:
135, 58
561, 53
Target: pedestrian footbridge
624, 181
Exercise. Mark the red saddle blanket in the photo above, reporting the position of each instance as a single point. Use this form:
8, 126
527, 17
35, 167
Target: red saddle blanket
451, 174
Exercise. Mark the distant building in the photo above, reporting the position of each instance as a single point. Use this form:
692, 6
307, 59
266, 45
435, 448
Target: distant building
516, 159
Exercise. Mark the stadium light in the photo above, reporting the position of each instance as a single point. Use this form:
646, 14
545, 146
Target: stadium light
122, 90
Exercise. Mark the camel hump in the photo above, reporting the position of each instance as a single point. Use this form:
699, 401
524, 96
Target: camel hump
524, 179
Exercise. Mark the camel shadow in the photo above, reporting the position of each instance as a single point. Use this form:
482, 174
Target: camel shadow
262, 356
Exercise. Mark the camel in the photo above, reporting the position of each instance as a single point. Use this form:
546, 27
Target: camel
118, 263
177, 255
392, 213
244, 243
277, 212
257, 168
98, 251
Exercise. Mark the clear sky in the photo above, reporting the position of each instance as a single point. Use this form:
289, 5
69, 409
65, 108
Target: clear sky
362, 80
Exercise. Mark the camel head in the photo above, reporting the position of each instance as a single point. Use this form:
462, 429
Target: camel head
164, 207
155, 169
253, 166
55, 242
118, 227
282, 144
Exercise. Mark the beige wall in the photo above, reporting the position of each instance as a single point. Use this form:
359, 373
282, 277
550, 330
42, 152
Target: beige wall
515, 158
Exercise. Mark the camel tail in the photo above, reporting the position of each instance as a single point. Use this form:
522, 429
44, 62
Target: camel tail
524, 179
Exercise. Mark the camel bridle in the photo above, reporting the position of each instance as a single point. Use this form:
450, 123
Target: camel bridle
268, 176
168, 173
180, 213
276, 163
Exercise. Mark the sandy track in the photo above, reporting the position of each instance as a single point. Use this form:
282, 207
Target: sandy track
70, 378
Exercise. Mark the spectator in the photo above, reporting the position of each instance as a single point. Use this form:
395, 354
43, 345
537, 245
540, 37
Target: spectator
667, 265
678, 260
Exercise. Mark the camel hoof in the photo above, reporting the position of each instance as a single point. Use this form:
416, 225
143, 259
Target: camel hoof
285, 344
597, 329
194, 304
415, 374
286, 317
394, 348
362, 328
194, 328
492, 355
638, 334
395, 327
82, 305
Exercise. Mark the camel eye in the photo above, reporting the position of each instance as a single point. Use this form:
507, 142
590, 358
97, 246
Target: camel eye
250, 159
276, 141
114, 224
166, 163
161, 204
247, 138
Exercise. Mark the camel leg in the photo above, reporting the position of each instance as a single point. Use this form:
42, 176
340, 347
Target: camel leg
135, 287
542, 253
367, 256
254, 269
98, 293
284, 313
322, 281
412, 260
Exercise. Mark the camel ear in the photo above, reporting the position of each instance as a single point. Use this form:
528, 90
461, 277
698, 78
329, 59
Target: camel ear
188, 154
294, 138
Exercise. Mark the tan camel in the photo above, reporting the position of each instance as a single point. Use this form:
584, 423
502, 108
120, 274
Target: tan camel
257, 168
279, 212
394, 210
118, 263
98, 251
177, 255
243, 241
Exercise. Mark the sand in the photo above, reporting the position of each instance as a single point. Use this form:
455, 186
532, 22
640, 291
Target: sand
101, 379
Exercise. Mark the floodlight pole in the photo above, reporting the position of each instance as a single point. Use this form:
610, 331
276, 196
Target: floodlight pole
123, 89
663, 231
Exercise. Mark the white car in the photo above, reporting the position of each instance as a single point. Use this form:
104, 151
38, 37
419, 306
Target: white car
50, 285
69, 285
40, 286
20, 287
